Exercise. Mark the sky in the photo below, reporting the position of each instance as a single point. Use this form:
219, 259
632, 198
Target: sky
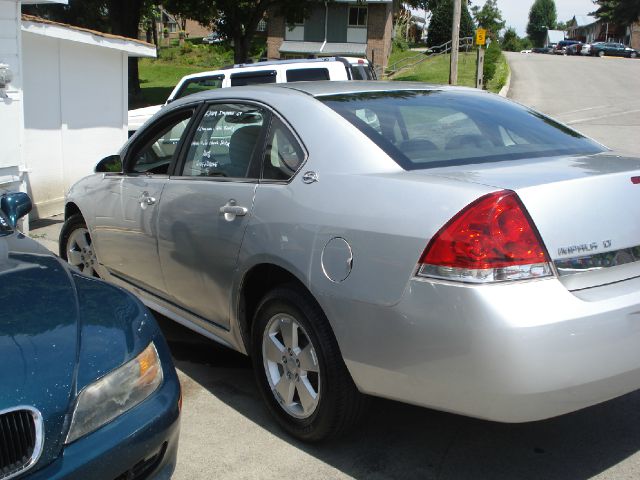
516, 12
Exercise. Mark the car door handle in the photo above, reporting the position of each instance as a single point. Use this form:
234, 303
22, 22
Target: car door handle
233, 210
146, 200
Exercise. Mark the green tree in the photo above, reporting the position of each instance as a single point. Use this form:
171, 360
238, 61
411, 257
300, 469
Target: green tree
442, 20
542, 17
489, 17
511, 41
238, 20
624, 12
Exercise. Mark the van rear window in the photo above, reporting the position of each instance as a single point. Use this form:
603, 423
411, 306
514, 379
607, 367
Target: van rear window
307, 74
253, 78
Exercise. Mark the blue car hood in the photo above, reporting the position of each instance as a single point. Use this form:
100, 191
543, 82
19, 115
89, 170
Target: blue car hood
38, 333
59, 331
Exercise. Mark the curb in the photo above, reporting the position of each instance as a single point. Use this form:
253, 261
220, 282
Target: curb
504, 91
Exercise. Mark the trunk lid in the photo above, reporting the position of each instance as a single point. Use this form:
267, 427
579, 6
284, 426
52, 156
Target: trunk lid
586, 209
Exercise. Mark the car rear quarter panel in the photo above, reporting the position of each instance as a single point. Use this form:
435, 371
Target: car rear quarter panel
385, 214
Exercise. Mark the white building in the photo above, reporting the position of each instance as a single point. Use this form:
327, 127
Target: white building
66, 106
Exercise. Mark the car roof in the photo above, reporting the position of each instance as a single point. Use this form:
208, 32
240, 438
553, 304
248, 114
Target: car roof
310, 89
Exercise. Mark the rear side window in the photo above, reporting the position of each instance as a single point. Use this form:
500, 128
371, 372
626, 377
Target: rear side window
425, 129
362, 72
283, 155
197, 85
307, 74
253, 78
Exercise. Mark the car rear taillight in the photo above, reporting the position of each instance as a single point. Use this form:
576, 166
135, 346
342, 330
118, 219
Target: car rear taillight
491, 240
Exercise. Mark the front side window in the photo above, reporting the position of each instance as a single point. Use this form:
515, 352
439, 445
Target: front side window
283, 155
226, 142
425, 129
154, 155
197, 85
357, 16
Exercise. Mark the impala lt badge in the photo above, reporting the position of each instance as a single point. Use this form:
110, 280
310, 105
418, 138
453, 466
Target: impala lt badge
583, 248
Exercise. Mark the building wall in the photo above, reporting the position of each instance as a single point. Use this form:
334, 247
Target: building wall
75, 113
379, 31
275, 35
635, 36
195, 30
11, 107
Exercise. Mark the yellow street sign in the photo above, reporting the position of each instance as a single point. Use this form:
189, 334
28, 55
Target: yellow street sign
481, 36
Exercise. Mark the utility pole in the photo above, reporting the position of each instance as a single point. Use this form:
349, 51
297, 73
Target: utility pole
455, 41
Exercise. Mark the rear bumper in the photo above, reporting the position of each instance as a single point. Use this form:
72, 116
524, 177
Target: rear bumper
142, 443
513, 353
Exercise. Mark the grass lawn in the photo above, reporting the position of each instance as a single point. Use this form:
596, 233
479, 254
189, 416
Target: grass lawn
436, 70
157, 79
158, 76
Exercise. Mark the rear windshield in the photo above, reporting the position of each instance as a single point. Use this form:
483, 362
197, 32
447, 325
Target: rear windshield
426, 129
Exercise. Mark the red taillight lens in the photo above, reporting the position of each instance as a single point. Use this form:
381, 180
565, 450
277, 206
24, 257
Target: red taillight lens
485, 241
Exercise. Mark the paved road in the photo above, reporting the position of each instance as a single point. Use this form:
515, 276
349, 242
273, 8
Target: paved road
599, 97
226, 432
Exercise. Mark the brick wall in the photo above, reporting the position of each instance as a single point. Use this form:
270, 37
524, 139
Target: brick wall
275, 35
635, 36
379, 32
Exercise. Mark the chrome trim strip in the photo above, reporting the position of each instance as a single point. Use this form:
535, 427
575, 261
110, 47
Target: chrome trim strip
597, 261
38, 447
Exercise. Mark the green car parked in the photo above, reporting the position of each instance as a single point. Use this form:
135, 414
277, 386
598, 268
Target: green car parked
613, 49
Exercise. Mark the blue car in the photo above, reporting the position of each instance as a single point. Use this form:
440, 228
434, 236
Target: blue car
88, 389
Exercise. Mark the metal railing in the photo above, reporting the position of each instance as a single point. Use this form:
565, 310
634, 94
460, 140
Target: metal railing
465, 44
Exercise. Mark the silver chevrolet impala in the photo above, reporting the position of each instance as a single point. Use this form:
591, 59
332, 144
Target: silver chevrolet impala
439, 246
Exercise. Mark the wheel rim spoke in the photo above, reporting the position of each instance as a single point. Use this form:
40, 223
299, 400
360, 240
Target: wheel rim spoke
289, 331
308, 360
81, 239
306, 393
74, 257
273, 349
286, 389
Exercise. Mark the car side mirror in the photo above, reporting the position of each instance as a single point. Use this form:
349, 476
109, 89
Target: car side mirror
15, 206
110, 164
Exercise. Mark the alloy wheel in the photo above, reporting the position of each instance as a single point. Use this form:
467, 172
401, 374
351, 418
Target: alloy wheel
291, 366
80, 252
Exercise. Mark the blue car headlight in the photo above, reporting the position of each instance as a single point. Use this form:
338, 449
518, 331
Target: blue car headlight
115, 393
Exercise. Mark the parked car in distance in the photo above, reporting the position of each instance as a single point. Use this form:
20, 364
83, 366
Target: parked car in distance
525, 51
573, 49
213, 38
613, 49
278, 71
88, 385
561, 47
539, 50
424, 245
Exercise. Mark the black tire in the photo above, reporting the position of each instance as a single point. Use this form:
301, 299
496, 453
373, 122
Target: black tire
70, 226
340, 404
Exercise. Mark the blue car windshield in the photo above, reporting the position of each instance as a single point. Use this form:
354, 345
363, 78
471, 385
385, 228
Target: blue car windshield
426, 129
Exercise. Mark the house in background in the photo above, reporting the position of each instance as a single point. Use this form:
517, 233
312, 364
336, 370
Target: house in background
589, 29
66, 107
342, 27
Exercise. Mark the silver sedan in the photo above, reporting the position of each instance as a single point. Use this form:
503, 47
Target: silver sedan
440, 246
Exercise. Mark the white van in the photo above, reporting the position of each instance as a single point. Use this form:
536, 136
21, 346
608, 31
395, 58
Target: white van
277, 71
